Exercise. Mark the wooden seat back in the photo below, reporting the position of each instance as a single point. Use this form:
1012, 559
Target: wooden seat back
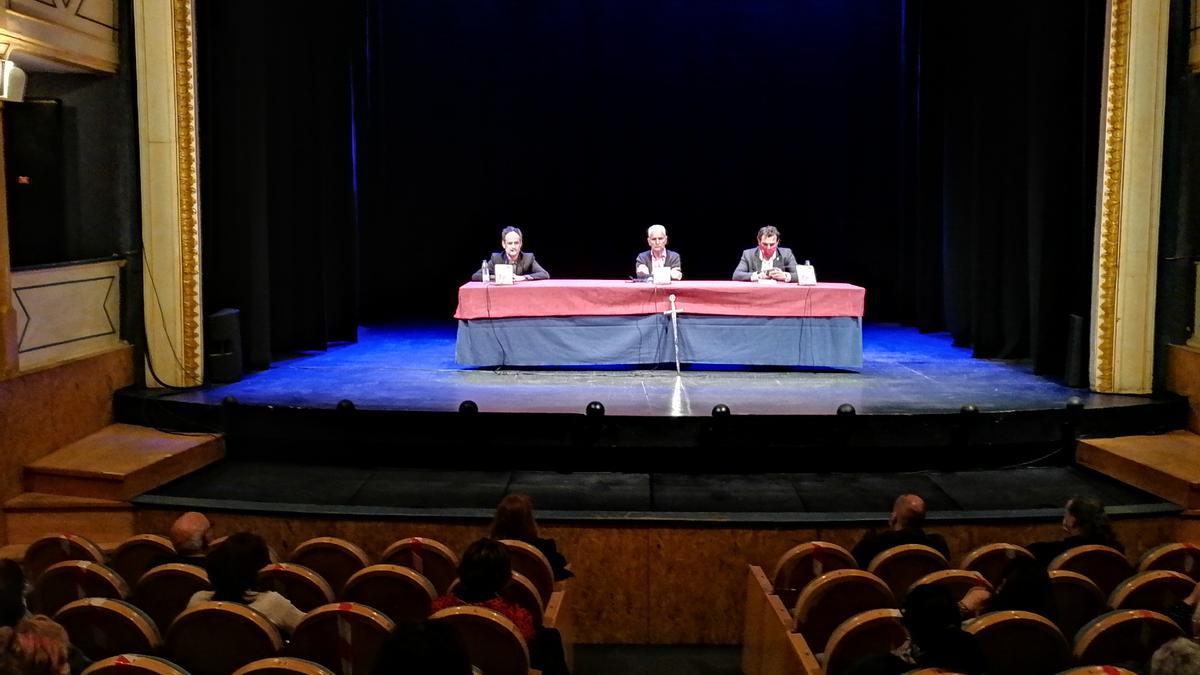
1020, 643
71, 580
832, 598
992, 560
306, 589
1177, 557
1097, 670
532, 564
431, 558
491, 640
900, 566
1104, 565
138, 554
876, 631
334, 559
56, 548
958, 582
163, 592
217, 638
1123, 636
345, 637
134, 664
520, 592
1077, 600
1156, 590
804, 562
103, 627
283, 665
400, 593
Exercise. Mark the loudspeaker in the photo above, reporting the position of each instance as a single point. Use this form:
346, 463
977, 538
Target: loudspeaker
223, 346
33, 163
1075, 374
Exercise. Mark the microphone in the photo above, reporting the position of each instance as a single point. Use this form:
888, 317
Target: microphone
671, 297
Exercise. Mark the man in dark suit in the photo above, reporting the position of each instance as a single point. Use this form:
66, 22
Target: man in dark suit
768, 260
525, 267
658, 256
904, 527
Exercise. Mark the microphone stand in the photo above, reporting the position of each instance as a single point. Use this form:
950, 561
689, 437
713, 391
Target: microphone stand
674, 313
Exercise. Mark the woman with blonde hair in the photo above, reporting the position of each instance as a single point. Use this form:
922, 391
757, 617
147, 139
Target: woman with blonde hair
514, 520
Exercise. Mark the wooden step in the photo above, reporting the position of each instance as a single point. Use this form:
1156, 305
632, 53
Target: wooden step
121, 461
1167, 465
29, 516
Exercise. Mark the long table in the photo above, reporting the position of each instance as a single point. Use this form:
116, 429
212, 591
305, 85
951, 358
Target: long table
577, 322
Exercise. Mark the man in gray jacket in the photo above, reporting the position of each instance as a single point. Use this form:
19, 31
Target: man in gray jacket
768, 260
658, 256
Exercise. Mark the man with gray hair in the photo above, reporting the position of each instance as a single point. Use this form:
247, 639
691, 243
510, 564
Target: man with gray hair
658, 257
191, 533
1180, 656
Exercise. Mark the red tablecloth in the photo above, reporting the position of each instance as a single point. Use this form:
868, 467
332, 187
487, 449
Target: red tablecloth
588, 297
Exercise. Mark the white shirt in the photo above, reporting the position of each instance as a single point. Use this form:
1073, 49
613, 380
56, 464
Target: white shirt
768, 264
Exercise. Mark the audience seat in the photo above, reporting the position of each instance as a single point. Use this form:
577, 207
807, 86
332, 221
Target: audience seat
832, 598
134, 664
876, 631
1097, 670
991, 560
1156, 590
1104, 565
520, 592
1077, 600
55, 548
217, 638
1020, 643
902, 565
138, 553
401, 594
805, 562
283, 665
345, 637
334, 559
71, 580
163, 592
1123, 636
533, 565
492, 641
306, 589
1177, 557
958, 582
103, 627
433, 559
932, 671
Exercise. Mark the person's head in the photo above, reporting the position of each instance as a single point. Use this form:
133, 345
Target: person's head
907, 511
656, 237
1180, 656
1085, 516
428, 647
511, 240
35, 646
768, 240
1024, 586
484, 570
514, 518
233, 566
191, 533
13, 588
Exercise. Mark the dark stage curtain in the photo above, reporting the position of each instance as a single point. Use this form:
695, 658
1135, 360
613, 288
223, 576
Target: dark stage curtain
278, 206
1007, 125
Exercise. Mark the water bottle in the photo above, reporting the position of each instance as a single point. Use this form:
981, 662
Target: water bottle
484, 271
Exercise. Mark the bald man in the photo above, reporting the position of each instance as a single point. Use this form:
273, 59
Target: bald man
904, 527
191, 534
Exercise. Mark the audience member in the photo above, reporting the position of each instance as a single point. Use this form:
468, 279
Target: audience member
1024, 586
233, 570
429, 648
935, 638
908, 515
1085, 523
191, 535
36, 645
514, 520
1180, 656
1186, 612
13, 590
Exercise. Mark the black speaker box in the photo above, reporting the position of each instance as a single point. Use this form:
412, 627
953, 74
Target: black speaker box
33, 164
223, 346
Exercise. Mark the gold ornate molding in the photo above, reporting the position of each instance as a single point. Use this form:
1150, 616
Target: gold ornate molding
1109, 230
189, 209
